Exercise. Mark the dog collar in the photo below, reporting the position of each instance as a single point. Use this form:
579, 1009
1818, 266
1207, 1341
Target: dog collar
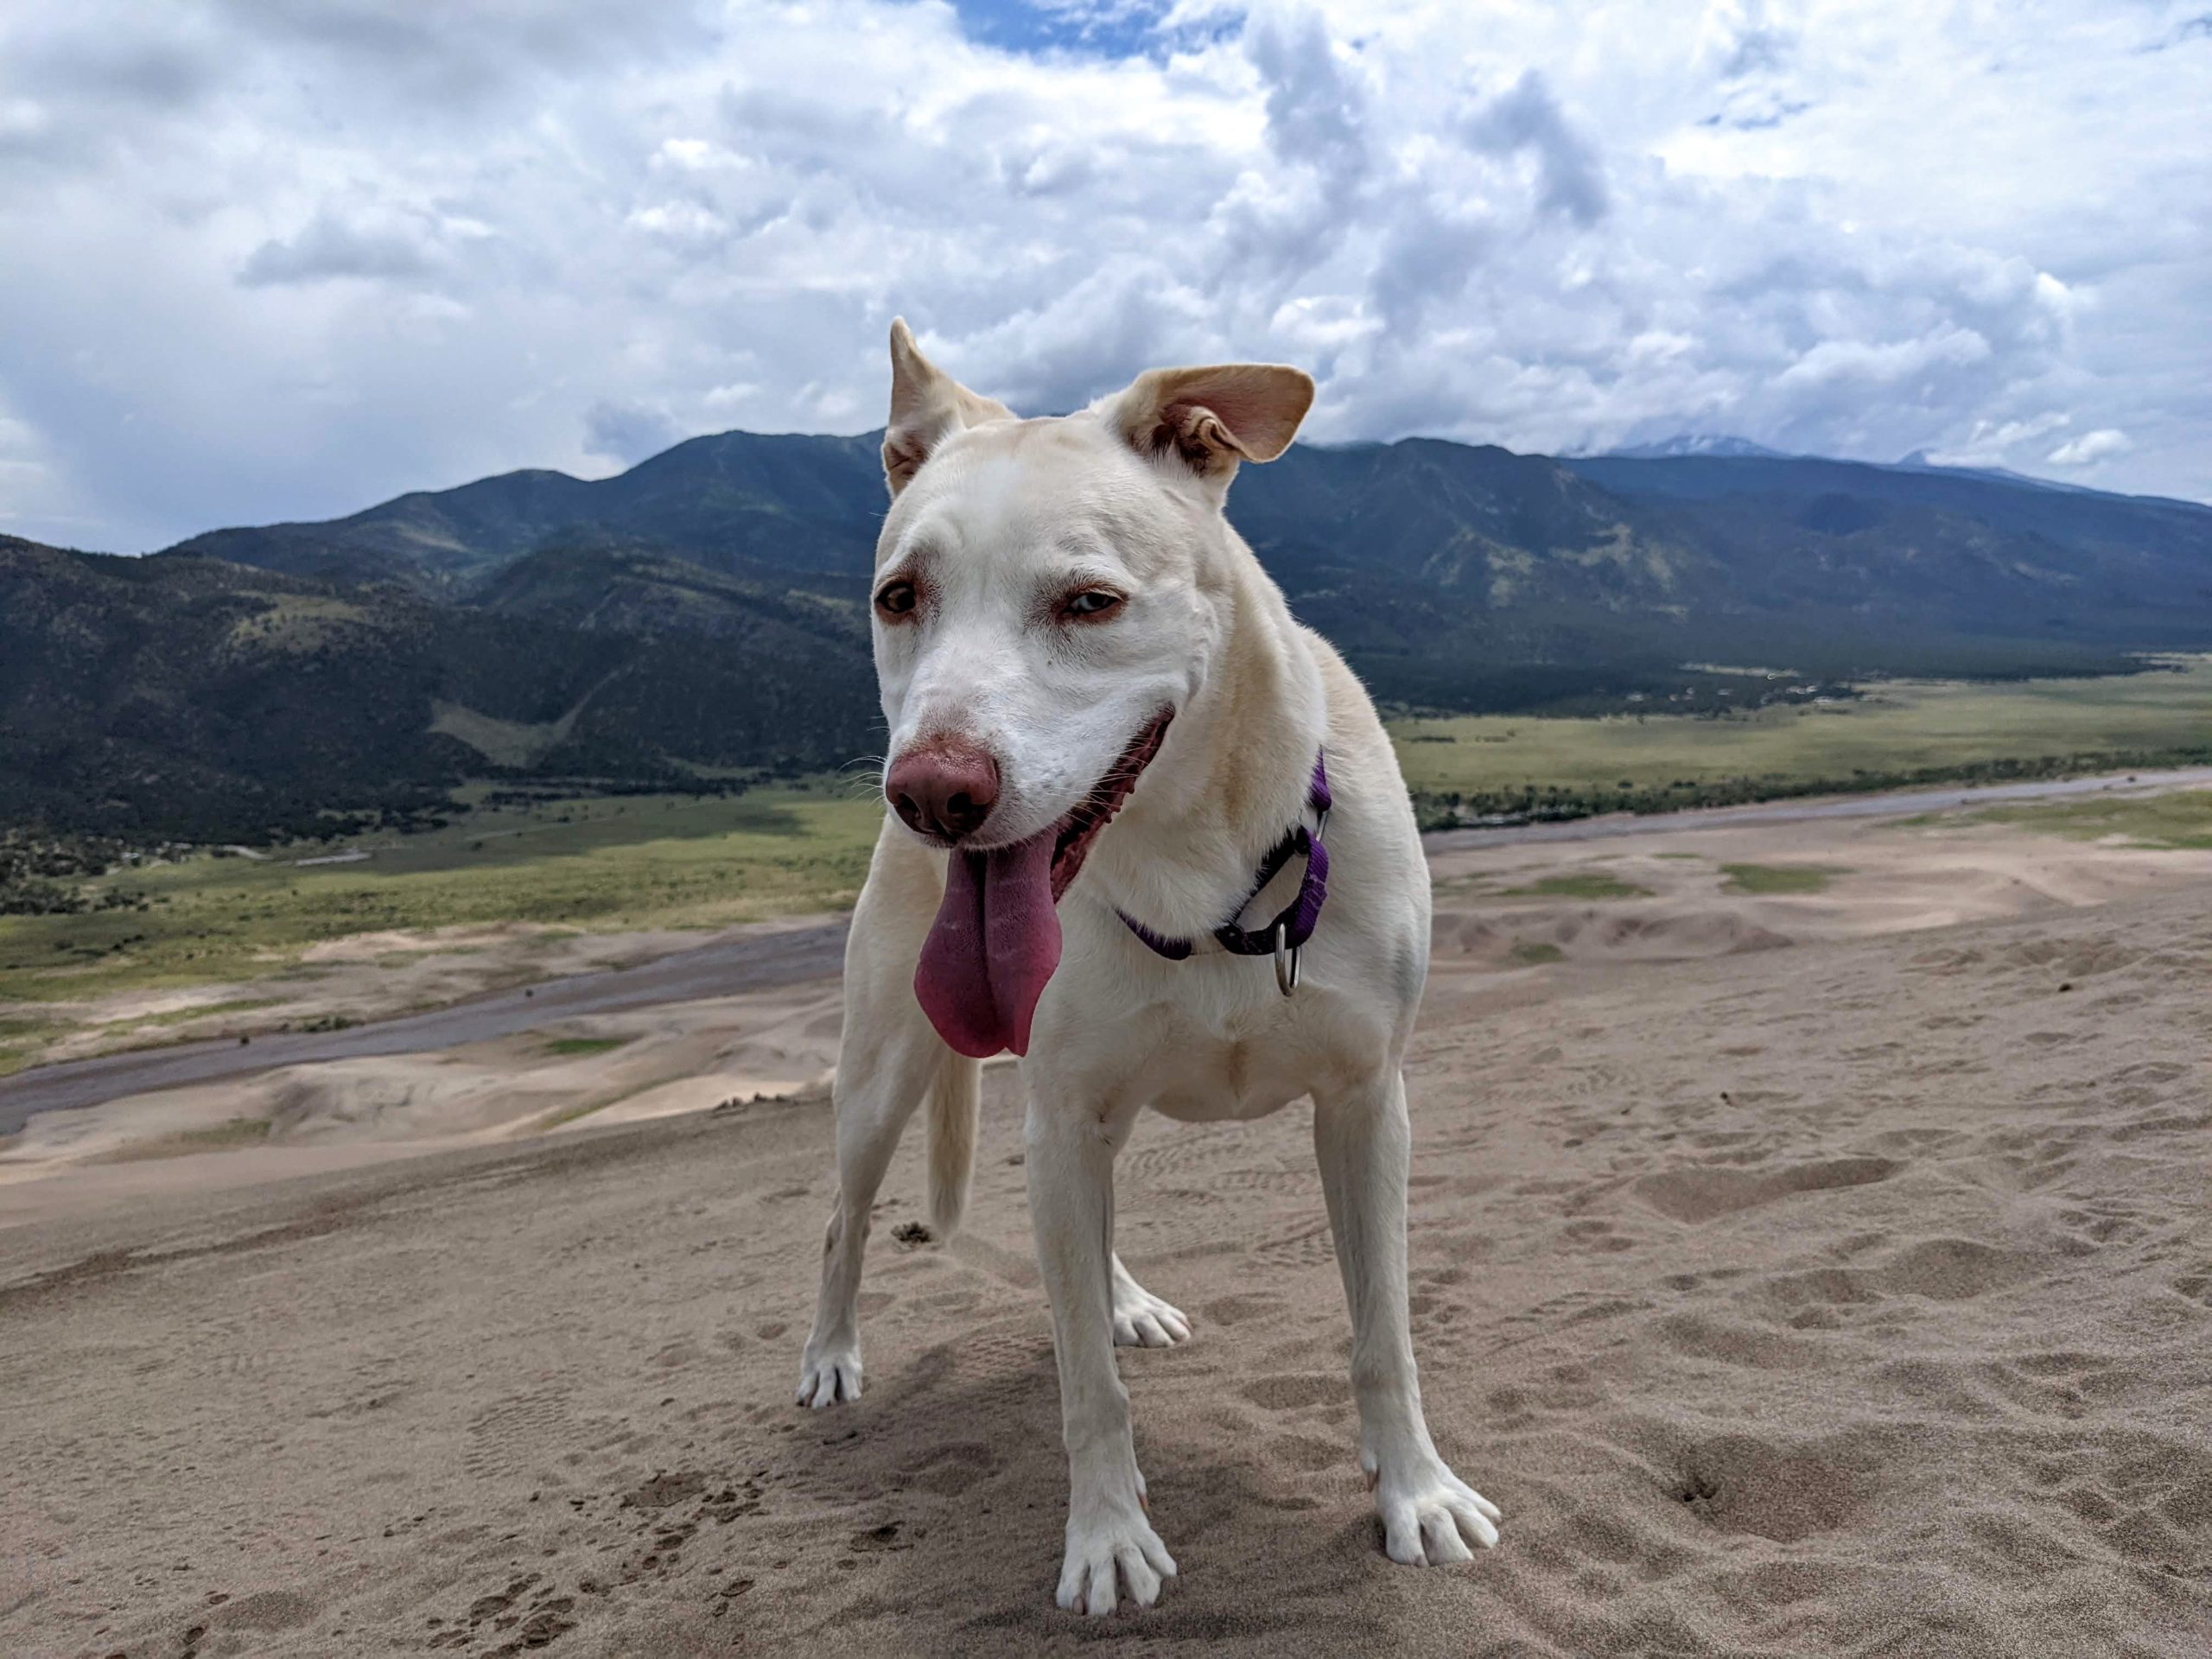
1285, 936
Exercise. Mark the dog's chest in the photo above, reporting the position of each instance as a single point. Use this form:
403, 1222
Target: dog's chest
1199, 1074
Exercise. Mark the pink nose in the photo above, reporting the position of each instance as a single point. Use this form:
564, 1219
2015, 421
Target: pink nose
945, 788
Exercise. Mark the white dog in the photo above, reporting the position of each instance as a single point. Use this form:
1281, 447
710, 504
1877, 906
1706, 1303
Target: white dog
1068, 635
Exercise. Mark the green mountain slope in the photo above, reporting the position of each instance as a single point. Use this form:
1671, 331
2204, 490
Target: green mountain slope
189, 696
729, 502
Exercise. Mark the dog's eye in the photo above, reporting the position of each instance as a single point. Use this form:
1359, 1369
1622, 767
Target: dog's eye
895, 598
1095, 601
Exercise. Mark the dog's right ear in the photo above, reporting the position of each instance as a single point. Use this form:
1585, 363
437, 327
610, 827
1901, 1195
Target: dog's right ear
927, 406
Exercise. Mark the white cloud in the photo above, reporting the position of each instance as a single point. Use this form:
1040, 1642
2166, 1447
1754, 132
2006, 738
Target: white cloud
2091, 446
1991, 443
1882, 364
272, 262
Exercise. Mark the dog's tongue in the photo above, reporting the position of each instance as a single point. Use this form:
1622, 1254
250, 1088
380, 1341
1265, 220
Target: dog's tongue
995, 941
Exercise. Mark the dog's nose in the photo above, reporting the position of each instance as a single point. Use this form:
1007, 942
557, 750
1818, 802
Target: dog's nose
945, 790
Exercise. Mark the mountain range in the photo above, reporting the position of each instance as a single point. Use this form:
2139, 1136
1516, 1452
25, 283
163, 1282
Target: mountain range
702, 614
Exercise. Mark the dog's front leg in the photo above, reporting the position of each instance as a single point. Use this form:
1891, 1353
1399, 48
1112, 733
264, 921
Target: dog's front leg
889, 1055
1070, 1165
1362, 1140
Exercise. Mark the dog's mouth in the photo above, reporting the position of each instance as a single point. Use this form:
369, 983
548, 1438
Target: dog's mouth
1073, 834
996, 939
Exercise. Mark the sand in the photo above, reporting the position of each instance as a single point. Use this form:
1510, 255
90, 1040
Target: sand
1800, 1279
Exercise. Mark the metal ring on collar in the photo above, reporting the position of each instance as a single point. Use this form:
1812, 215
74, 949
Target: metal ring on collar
1287, 955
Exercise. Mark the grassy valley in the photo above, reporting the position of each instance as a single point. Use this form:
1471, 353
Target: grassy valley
642, 861
507, 856
1889, 734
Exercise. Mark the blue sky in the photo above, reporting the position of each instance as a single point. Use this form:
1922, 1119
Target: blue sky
283, 262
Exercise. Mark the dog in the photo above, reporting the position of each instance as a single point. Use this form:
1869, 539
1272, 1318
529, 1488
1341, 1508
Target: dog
1109, 744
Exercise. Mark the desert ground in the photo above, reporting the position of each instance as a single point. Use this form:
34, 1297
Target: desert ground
1812, 1253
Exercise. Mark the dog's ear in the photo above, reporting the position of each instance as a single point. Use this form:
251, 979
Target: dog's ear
1213, 418
927, 406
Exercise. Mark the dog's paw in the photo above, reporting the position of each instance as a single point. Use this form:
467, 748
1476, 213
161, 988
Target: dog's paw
1113, 1555
1429, 1514
827, 1378
1142, 1320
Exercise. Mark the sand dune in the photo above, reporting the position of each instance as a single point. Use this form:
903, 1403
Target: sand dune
1504, 937
1848, 1298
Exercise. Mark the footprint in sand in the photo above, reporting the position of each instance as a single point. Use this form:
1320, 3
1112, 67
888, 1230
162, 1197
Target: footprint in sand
1953, 1270
1312, 1247
1742, 1484
951, 1470
1708, 1192
514, 1433
2196, 1286
1295, 1391
1238, 1310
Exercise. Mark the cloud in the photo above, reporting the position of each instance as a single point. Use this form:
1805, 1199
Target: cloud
2091, 446
1990, 442
1528, 119
329, 246
628, 432
279, 262
1884, 362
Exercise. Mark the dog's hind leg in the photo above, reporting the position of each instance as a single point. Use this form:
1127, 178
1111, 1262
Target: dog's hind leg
1142, 1319
890, 1058
1362, 1139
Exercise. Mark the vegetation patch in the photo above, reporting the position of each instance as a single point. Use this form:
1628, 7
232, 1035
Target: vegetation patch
1591, 884
593, 862
568, 1046
1896, 735
1778, 878
200, 1011
23, 1041
1459, 885
1534, 951
2172, 822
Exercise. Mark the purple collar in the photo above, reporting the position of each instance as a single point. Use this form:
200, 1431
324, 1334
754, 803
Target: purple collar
1284, 936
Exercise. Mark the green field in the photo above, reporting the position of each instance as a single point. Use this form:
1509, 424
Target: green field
2168, 823
569, 1047
1778, 878
635, 862
1579, 885
1897, 733
686, 862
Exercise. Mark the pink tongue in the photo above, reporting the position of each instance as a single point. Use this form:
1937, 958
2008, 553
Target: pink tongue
995, 941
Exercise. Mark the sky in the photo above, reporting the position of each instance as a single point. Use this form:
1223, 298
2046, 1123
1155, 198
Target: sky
262, 261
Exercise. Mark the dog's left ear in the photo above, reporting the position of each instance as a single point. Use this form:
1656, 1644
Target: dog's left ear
927, 406
1213, 418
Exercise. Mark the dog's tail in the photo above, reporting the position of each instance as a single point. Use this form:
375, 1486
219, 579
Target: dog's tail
954, 1102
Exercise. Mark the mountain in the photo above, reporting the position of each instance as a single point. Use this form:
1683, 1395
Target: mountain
733, 503
193, 697
1919, 462
706, 610
1939, 552
1603, 572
